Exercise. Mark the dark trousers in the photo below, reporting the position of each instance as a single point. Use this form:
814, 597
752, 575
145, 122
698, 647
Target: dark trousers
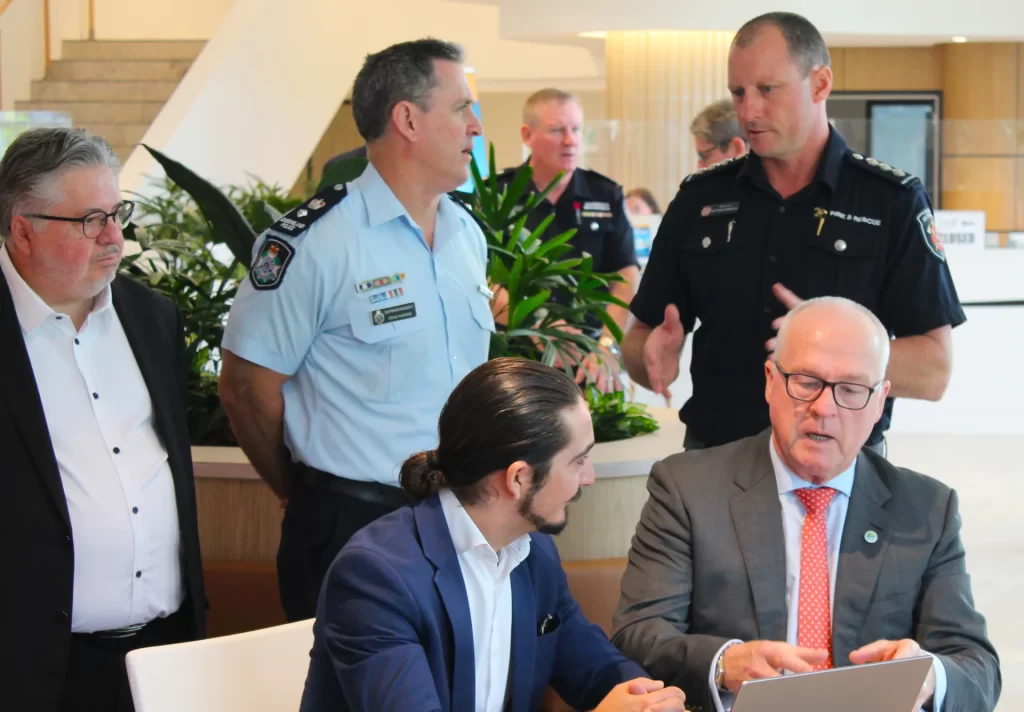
317, 524
97, 680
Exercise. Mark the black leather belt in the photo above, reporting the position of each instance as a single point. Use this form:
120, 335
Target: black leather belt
369, 492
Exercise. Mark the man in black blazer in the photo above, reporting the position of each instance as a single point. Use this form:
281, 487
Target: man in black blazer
98, 514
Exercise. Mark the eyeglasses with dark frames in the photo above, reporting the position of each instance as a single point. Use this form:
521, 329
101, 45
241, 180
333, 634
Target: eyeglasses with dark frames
95, 222
851, 396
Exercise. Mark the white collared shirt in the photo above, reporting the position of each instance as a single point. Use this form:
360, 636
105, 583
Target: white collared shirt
486, 575
113, 467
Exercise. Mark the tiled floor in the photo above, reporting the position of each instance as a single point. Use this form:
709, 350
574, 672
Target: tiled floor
988, 474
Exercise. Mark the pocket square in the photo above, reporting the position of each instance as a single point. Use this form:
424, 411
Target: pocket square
549, 624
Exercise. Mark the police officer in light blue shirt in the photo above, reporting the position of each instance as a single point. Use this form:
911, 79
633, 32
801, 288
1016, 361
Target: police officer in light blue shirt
364, 307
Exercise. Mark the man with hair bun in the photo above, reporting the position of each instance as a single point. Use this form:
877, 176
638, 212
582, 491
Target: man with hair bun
459, 602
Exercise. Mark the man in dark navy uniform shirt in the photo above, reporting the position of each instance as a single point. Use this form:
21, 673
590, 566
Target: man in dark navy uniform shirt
583, 200
800, 216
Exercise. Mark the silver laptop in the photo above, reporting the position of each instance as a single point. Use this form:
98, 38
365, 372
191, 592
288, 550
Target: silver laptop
880, 687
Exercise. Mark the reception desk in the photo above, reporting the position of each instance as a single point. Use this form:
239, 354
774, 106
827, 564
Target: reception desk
240, 518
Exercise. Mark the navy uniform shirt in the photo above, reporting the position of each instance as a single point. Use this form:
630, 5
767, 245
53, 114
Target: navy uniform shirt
861, 230
595, 207
374, 327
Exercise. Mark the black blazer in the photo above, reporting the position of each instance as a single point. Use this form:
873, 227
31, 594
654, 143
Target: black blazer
37, 565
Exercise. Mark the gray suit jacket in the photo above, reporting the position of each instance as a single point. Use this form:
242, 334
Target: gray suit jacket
707, 565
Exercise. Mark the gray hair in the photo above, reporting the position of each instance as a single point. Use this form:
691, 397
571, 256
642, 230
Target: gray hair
544, 96
806, 45
717, 124
36, 158
401, 72
880, 336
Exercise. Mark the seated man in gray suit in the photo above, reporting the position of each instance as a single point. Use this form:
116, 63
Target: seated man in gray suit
795, 549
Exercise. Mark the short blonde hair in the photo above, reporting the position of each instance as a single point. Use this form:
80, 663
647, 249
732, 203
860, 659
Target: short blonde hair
717, 123
544, 96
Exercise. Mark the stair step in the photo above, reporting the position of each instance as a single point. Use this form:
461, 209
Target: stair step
98, 70
132, 49
102, 91
88, 112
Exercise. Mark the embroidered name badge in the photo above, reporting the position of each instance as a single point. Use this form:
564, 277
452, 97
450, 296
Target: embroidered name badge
711, 211
270, 264
390, 314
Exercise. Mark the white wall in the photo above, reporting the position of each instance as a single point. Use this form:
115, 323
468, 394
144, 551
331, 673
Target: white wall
863, 22
21, 50
163, 19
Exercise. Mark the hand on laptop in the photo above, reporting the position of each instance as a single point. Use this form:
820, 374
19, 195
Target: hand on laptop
759, 659
885, 650
643, 695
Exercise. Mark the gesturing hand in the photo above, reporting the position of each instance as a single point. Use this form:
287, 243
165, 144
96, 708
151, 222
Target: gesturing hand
662, 350
789, 300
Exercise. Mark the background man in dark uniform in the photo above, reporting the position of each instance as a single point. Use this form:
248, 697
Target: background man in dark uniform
717, 135
583, 200
800, 216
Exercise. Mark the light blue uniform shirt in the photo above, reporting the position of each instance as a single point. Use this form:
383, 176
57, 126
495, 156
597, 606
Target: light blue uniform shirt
793, 514
366, 389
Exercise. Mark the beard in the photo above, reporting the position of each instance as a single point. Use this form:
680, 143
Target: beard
542, 525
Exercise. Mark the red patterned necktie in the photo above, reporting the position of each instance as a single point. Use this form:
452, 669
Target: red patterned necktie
814, 626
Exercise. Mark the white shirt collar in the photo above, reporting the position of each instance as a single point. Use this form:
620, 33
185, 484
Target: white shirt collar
788, 481
32, 311
467, 537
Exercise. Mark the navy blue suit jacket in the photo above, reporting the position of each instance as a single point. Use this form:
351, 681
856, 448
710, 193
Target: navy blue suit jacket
393, 630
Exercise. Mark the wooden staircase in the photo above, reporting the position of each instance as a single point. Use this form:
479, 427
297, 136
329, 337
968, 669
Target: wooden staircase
114, 89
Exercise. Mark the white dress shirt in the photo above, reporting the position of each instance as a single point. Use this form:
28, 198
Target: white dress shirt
793, 514
486, 574
113, 467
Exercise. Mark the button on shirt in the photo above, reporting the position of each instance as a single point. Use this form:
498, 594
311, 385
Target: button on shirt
367, 387
113, 467
486, 575
793, 513
857, 231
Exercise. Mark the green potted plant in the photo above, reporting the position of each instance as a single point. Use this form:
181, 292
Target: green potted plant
196, 245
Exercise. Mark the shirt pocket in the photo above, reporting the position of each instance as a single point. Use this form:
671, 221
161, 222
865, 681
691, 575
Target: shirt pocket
394, 350
708, 258
844, 261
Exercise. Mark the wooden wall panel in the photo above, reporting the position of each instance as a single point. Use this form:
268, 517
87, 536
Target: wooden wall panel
1020, 111
603, 521
656, 83
341, 135
983, 183
887, 68
1019, 192
239, 520
838, 55
980, 98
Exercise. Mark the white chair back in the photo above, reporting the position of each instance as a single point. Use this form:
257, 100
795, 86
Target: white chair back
261, 671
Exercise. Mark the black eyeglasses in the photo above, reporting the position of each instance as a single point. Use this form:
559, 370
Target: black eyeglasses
95, 222
851, 396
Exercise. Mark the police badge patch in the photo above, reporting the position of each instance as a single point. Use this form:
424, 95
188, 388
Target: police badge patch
268, 269
926, 221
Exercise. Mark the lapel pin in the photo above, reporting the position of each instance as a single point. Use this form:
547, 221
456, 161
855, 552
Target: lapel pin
870, 536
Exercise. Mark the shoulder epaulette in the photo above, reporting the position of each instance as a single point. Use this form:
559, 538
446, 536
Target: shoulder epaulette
600, 177
714, 169
298, 219
894, 175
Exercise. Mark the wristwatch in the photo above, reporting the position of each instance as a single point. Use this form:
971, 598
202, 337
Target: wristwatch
608, 341
720, 673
